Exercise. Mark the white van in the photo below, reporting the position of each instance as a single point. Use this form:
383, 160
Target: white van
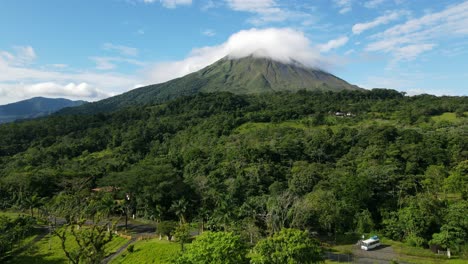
370, 243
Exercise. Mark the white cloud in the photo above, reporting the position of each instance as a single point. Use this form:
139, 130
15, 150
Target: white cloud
251, 6
409, 83
408, 40
170, 3
175, 3
267, 11
350, 51
333, 44
20, 81
283, 44
23, 55
123, 50
15, 92
103, 63
381, 20
410, 52
59, 65
52, 89
209, 32
345, 6
373, 3
109, 63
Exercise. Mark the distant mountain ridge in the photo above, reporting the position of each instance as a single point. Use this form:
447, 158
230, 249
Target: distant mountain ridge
34, 107
249, 75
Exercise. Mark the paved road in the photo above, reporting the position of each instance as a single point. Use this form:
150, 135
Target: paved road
380, 255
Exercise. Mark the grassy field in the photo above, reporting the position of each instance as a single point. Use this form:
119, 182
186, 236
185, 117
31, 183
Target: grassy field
420, 255
48, 250
150, 251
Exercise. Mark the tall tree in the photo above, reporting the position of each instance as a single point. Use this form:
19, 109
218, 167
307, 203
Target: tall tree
290, 246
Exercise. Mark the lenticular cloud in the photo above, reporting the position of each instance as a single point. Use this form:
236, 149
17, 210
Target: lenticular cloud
280, 44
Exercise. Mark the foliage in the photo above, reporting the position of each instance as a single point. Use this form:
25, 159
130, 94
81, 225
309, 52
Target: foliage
364, 222
251, 163
454, 231
182, 234
131, 248
288, 246
13, 231
90, 236
49, 250
215, 247
166, 228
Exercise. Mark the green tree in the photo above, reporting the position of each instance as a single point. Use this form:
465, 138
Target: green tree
32, 202
454, 231
291, 246
363, 221
166, 228
182, 234
215, 248
457, 181
91, 240
179, 208
91, 237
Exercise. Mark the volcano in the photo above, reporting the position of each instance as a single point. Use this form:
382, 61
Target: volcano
248, 75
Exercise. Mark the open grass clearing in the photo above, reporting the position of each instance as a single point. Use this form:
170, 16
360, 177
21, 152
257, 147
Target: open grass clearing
150, 251
49, 250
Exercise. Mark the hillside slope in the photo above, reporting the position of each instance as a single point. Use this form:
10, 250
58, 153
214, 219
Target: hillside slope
248, 75
34, 107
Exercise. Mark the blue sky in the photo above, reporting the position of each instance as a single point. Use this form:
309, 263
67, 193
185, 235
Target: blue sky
89, 49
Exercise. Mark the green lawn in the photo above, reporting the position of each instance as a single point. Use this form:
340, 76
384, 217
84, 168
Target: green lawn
150, 251
420, 255
48, 250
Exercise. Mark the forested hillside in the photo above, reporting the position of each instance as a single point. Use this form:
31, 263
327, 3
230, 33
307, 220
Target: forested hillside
34, 107
258, 163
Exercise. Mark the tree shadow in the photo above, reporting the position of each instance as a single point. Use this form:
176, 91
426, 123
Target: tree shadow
35, 259
382, 246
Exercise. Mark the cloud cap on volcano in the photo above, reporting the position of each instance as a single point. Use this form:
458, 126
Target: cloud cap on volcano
285, 45
280, 44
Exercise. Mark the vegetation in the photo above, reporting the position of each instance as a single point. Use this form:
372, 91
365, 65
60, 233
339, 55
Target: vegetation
49, 250
248, 75
150, 251
215, 247
254, 165
12, 232
87, 224
34, 107
290, 246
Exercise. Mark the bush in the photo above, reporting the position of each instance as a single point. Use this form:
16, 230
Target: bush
290, 246
166, 228
415, 241
131, 248
215, 247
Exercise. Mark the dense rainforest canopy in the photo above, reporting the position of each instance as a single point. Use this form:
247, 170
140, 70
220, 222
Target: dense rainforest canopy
322, 161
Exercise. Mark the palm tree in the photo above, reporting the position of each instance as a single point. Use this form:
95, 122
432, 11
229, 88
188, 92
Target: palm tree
32, 202
179, 207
